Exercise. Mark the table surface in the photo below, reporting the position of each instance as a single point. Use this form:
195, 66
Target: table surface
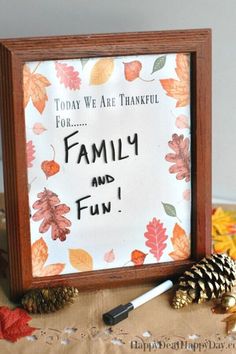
78, 328
153, 327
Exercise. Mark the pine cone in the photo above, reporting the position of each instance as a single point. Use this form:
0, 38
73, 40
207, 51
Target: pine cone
206, 280
48, 299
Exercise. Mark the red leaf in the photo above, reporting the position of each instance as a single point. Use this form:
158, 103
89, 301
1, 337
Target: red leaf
156, 238
30, 151
14, 324
68, 76
51, 212
138, 257
181, 157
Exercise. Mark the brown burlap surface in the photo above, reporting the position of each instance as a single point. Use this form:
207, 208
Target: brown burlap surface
154, 327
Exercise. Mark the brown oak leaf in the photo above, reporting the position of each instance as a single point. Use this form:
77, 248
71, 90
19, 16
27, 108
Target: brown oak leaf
181, 157
14, 324
39, 254
35, 88
49, 209
179, 89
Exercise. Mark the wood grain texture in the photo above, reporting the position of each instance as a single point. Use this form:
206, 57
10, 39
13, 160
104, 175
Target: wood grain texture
13, 54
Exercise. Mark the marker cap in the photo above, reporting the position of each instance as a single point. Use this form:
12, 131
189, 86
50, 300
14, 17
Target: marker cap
117, 314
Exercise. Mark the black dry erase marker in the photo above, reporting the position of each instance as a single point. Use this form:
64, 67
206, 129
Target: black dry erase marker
121, 312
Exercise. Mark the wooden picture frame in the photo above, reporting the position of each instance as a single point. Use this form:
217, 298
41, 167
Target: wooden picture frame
14, 53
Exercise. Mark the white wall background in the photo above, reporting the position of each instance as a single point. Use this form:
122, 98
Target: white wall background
20, 18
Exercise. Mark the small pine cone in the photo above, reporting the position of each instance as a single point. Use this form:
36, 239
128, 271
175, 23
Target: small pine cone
206, 280
48, 299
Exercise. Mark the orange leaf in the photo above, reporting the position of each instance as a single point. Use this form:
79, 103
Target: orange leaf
181, 244
179, 89
81, 259
182, 69
138, 257
35, 88
39, 254
132, 70
50, 168
52, 269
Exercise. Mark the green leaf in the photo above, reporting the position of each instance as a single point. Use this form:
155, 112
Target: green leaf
84, 61
159, 63
169, 209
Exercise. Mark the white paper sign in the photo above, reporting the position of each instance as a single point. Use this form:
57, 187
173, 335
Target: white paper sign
108, 152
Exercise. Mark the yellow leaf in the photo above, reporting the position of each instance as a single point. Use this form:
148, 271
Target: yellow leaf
34, 86
102, 71
231, 310
181, 244
222, 221
230, 323
225, 244
80, 259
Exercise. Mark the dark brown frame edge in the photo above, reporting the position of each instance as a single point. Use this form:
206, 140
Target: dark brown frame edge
13, 54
